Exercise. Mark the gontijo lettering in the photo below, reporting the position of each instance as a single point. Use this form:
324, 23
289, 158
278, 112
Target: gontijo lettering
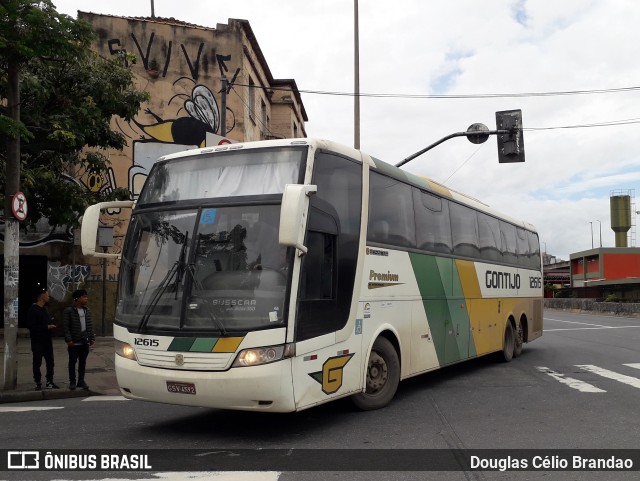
502, 280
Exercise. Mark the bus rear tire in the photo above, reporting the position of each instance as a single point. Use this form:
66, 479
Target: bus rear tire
518, 340
383, 377
509, 343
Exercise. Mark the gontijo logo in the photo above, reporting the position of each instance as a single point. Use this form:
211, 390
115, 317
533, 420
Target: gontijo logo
332, 373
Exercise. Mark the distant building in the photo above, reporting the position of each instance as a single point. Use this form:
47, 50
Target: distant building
606, 270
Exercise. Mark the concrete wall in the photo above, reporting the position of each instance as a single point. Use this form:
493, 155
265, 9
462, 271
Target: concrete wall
591, 305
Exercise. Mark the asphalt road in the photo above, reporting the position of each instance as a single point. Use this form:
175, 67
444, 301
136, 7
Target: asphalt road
578, 387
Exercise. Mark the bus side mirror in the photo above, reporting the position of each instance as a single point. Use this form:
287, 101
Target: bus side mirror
89, 227
293, 215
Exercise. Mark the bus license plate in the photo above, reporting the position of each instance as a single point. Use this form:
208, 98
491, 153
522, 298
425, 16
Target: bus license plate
181, 387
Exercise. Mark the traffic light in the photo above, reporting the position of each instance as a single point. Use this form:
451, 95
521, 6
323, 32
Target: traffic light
510, 145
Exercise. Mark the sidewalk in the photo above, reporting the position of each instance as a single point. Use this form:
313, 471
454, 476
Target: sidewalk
100, 372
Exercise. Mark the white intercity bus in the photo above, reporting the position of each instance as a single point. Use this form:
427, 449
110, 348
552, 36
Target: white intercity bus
279, 275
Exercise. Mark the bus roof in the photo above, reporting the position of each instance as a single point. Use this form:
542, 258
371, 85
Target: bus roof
390, 170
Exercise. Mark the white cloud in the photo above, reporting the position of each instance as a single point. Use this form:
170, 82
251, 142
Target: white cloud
467, 47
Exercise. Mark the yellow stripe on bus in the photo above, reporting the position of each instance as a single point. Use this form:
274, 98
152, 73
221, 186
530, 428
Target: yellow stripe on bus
227, 344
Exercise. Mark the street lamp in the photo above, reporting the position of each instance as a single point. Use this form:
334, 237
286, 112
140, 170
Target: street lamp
591, 224
600, 231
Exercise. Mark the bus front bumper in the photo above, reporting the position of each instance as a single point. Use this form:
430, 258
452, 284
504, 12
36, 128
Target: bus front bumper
267, 387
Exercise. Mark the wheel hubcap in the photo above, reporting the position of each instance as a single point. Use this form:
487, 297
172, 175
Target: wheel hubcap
377, 373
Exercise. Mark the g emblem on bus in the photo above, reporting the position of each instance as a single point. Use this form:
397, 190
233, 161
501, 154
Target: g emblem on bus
332, 372
179, 359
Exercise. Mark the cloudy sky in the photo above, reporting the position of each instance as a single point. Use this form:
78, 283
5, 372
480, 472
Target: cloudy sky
571, 66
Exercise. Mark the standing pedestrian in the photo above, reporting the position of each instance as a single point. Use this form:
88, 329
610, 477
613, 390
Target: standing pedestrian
78, 333
41, 326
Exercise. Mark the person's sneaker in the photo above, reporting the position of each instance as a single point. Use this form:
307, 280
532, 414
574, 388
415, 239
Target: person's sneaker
52, 385
72, 385
38, 387
83, 385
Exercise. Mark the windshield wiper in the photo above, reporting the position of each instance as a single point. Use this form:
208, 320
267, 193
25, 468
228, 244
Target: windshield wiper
178, 269
206, 302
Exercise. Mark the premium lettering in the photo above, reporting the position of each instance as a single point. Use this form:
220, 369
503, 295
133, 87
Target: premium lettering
381, 276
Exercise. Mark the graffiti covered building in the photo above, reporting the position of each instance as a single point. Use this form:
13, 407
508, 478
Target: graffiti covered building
207, 86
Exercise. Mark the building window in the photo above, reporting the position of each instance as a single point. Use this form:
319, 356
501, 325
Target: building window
252, 99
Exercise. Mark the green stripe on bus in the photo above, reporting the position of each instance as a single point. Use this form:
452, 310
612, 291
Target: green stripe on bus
204, 344
445, 307
181, 344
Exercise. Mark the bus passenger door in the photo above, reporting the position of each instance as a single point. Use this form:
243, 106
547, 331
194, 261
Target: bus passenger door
323, 369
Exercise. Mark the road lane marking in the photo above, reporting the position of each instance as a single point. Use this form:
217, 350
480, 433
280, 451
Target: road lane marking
106, 398
208, 476
573, 322
569, 381
588, 328
635, 366
22, 409
631, 381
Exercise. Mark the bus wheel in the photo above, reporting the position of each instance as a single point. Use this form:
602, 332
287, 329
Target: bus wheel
509, 343
383, 376
518, 341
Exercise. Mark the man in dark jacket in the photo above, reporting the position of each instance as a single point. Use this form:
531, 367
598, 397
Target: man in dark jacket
41, 325
78, 333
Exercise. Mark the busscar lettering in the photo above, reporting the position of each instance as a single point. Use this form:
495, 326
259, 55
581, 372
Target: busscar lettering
502, 280
233, 302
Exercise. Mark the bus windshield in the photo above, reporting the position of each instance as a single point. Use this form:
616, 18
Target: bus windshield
224, 174
211, 269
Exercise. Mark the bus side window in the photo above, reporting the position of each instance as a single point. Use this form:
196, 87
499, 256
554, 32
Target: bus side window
524, 255
489, 235
433, 228
534, 248
509, 242
391, 217
464, 229
317, 281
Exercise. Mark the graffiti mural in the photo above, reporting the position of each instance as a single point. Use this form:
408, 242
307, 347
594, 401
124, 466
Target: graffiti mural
203, 116
184, 116
63, 279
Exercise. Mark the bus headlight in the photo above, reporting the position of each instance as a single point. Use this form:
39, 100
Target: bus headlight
263, 355
125, 350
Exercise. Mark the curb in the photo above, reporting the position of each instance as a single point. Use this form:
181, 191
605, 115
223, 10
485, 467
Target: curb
45, 394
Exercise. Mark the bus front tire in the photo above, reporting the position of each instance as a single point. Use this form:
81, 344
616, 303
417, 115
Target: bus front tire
383, 377
509, 343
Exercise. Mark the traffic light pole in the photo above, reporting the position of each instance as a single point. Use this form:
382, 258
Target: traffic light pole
477, 137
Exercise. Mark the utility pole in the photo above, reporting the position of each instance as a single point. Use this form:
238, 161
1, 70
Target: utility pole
356, 88
153, 10
11, 235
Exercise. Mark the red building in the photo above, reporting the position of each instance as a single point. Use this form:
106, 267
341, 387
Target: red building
607, 270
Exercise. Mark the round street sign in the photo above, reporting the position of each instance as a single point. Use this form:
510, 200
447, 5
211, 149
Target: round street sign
19, 206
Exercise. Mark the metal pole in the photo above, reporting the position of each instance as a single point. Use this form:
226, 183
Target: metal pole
450, 136
104, 289
153, 10
356, 87
223, 113
600, 231
591, 223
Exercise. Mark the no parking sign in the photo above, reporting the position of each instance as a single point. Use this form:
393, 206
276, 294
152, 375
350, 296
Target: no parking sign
19, 206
